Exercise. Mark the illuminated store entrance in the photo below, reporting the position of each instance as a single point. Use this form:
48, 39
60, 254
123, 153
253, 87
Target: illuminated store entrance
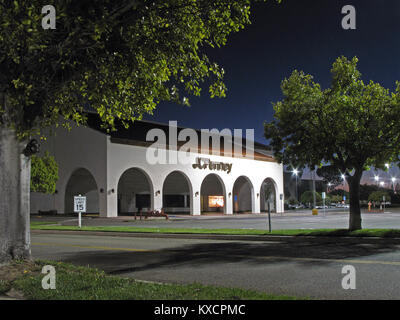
212, 195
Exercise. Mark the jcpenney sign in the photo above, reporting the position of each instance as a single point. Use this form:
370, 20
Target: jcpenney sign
204, 163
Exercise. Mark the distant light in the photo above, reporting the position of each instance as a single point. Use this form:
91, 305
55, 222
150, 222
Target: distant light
387, 165
295, 172
343, 177
376, 178
393, 179
381, 183
329, 184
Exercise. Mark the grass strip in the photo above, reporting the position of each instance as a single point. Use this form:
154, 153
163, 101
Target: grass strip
83, 283
381, 233
4, 286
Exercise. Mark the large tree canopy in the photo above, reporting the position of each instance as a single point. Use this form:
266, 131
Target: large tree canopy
118, 58
343, 129
121, 58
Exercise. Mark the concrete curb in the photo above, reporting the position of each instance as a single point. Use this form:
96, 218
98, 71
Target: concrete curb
350, 240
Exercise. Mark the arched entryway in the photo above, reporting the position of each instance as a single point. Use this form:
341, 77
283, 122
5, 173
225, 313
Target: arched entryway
135, 192
243, 196
212, 194
82, 183
177, 194
268, 193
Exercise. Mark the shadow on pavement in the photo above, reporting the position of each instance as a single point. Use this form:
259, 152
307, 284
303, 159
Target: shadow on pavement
120, 262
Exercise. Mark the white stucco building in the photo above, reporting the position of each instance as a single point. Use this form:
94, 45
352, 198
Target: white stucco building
114, 173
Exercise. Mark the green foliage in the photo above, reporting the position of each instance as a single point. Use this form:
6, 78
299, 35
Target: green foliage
4, 286
335, 198
366, 190
307, 197
349, 126
291, 201
121, 58
377, 196
44, 174
344, 129
83, 283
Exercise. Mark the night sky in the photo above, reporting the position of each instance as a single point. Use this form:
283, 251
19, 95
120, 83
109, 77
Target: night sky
305, 35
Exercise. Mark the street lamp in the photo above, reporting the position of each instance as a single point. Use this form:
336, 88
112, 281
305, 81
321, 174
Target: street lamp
344, 179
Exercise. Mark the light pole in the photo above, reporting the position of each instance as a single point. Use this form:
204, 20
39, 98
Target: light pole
377, 180
344, 179
296, 172
313, 184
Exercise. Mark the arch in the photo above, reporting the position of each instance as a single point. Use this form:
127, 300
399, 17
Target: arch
243, 196
177, 193
134, 192
212, 185
268, 192
81, 182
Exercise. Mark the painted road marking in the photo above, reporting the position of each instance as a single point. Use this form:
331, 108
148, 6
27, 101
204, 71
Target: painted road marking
91, 247
391, 263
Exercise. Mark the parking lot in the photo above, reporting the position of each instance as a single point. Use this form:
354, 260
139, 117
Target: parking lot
292, 219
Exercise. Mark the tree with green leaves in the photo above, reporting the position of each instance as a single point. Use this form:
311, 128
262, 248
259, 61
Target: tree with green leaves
342, 130
44, 173
118, 58
308, 197
377, 196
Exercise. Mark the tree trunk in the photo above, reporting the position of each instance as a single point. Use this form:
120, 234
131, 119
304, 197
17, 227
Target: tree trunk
355, 211
14, 198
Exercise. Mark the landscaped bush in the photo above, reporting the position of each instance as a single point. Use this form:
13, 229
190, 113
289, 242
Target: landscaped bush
377, 196
307, 197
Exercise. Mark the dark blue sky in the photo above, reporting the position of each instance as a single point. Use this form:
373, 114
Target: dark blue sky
305, 35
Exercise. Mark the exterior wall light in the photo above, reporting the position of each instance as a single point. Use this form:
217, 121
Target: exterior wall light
158, 192
196, 194
258, 195
229, 194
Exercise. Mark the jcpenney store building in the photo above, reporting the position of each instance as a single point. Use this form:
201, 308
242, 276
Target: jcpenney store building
113, 171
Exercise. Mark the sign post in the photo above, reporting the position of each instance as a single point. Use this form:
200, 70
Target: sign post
269, 217
384, 203
79, 207
323, 201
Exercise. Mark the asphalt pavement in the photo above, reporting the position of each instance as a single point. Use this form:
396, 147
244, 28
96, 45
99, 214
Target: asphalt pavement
289, 220
301, 268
